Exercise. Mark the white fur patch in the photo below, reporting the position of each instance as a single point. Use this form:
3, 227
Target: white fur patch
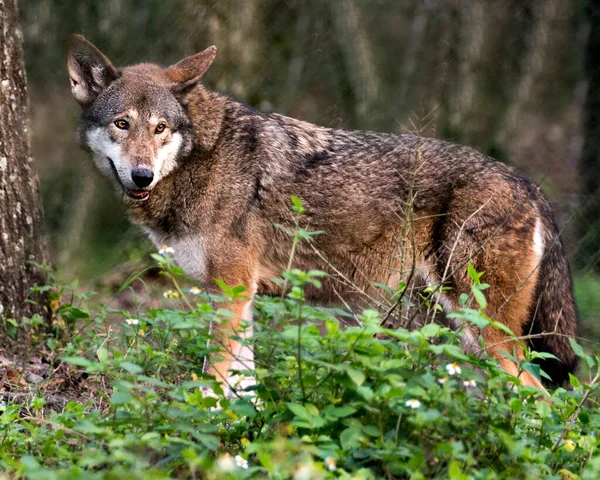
155, 238
98, 74
538, 238
99, 141
243, 358
166, 159
190, 254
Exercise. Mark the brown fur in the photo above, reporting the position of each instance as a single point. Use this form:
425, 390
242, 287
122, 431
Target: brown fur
394, 208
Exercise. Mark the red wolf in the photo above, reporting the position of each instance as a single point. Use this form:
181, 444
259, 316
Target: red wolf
210, 177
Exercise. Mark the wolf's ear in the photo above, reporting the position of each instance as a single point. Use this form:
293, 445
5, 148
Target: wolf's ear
89, 69
188, 72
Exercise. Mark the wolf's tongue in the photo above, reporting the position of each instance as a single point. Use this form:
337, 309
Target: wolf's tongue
141, 194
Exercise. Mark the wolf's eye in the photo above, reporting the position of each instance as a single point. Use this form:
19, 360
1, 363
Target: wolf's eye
160, 128
122, 124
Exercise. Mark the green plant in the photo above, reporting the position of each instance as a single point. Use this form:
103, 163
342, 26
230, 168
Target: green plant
330, 402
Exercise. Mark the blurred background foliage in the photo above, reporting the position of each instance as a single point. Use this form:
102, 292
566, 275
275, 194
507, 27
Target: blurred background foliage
509, 77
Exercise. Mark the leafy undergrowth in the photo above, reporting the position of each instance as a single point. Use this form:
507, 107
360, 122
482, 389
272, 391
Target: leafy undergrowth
330, 401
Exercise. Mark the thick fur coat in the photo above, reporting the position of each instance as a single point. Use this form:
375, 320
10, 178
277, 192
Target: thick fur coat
212, 178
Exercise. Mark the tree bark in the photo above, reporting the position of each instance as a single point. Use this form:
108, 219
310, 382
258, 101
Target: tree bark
359, 57
589, 167
21, 219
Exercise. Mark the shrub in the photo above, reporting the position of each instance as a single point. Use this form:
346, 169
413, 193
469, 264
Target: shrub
330, 402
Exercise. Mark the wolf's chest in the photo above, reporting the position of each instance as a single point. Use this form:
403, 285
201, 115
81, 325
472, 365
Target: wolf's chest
189, 252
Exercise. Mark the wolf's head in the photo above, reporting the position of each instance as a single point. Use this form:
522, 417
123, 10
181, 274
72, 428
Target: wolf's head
133, 120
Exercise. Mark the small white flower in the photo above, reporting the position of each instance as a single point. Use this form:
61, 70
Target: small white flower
469, 383
441, 381
166, 249
195, 291
226, 463
1, 309
453, 369
171, 294
132, 321
241, 462
330, 463
304, 472
413, 403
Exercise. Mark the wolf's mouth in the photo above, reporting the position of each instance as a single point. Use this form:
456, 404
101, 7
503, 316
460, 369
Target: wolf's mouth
134, 194
137, 194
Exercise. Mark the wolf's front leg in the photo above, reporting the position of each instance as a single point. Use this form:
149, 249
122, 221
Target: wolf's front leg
235, 355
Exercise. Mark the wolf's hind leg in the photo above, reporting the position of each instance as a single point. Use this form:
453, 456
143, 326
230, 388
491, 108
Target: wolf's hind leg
497, 343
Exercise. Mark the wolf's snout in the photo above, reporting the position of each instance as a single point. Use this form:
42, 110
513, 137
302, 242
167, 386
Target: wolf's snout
142, 177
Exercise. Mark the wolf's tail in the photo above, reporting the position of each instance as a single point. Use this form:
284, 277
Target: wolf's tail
554, 313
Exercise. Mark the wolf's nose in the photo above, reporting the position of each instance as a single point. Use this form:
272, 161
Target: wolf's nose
142, 177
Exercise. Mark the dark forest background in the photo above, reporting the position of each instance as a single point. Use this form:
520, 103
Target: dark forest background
518, 79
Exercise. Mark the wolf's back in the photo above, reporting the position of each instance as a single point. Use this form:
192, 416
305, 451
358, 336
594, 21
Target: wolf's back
554, 312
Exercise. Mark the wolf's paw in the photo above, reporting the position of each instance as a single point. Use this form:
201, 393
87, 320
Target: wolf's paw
240, 386
208, 392
236, 386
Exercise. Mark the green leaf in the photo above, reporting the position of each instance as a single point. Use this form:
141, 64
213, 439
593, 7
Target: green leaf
134, 277
299, 410
175, 270
416, 461
516, 405
77, 313
79, 361
119, 398
298, 207
383, 287
131, 367
372, 430
266, 460
502, 328
430, 330
576, 348
85, 426
455, 472
210, 441
312, 410
473, 273
158, 258
543, 409
341, 412
479, 297
463, 300
574, 381
350, 438
357, 376
511, 357
102, 354
534, 369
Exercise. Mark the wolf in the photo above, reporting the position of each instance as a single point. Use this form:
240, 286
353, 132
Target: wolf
212, 178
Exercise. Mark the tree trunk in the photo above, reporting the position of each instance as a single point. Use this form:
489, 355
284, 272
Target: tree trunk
359, 57
589, 167
21, 221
